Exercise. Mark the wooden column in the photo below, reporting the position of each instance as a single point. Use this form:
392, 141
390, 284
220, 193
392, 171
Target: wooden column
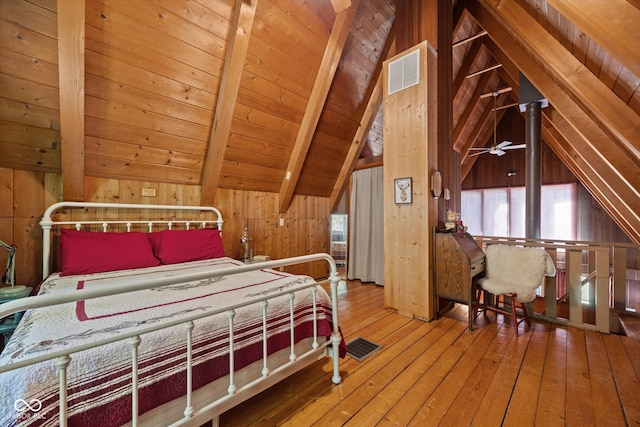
410, 152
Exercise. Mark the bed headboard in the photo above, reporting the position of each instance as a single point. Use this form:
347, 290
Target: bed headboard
128, 216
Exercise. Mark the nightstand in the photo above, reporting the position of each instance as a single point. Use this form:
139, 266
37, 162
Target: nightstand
9, 324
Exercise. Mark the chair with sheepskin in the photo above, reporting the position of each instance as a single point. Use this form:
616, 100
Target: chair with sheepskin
515, 272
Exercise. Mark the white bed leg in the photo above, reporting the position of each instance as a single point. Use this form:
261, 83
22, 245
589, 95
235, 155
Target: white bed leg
232, 386
292, 356
314, 293
265, 356
134, 342
62, 363
188, 410
336, 337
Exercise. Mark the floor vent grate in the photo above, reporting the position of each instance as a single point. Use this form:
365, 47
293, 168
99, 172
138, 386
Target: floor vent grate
361, 348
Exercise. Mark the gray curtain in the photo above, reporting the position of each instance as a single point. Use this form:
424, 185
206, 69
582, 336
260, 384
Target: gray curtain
366, 219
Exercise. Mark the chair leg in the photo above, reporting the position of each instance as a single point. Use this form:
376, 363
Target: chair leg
525, 314
514, 316
514, 303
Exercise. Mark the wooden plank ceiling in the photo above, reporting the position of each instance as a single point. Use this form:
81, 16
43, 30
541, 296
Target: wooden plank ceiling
284, 96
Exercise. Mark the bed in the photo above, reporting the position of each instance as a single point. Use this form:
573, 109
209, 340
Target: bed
157, 327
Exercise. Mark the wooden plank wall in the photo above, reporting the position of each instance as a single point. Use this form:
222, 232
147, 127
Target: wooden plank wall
24, 195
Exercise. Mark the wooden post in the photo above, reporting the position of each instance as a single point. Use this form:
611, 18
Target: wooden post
410, 152
71, 78
574, 284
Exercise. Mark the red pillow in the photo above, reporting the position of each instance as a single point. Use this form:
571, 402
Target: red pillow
174, 246
82, 252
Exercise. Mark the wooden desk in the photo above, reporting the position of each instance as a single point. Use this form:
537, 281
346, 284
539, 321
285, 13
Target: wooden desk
459, 262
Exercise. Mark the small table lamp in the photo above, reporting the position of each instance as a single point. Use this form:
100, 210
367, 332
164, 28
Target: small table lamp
8, 286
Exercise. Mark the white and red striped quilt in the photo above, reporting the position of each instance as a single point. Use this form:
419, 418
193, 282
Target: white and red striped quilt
100, 379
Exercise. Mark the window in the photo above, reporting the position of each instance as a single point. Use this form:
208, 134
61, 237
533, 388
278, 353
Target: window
501, 211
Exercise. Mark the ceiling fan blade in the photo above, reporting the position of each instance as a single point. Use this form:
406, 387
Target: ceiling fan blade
498, 152
478, 148
503, 144
514, 147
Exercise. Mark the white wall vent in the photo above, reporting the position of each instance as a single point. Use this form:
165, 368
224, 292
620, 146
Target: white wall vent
404, 72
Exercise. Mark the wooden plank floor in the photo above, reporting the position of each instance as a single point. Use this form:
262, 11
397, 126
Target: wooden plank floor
439, 373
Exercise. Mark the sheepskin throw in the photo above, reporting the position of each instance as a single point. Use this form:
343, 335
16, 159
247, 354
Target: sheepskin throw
513, 269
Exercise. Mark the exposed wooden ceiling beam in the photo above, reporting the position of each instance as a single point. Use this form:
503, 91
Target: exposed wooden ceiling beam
580, 98
244, 13
373, 99
614, 25
576, 80
319, 92
470, 58
468, 39
340, 5
71, 78
466, 114
355, 148
484, 70
459, 12
509, 72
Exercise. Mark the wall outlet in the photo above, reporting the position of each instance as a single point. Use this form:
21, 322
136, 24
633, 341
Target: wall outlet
149, 192
281, 222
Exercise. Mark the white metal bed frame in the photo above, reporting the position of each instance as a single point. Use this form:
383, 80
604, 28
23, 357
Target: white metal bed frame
192, 415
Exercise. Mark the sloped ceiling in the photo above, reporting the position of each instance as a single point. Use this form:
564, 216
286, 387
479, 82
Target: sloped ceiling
580, 57
284, 95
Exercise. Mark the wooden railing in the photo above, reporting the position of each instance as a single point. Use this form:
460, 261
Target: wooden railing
599, 268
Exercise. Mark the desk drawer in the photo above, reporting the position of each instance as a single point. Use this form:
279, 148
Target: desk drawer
477, 268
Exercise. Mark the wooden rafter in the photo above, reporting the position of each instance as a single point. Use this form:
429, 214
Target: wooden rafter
71, 77
613, 25
572, 90
466, 114
509, 72
340, 5
459, 12
373, 99
244, 13
576, 80
469, 39
355, 148
324, 78
484, 70
469, 60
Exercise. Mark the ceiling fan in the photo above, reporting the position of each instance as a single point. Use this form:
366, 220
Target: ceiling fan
497, 149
